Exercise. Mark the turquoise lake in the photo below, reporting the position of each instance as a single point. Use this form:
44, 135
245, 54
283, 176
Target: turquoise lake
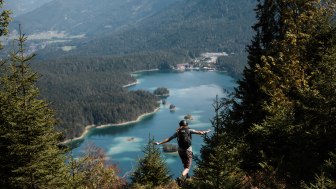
192, 92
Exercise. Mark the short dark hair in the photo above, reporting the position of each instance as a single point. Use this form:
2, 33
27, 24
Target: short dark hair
183, 123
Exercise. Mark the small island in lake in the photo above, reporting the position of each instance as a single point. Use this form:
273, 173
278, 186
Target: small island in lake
161, 91
130, 139
172, 107
188, 117
169, 148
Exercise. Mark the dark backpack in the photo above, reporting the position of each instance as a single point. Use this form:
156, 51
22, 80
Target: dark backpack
184, 138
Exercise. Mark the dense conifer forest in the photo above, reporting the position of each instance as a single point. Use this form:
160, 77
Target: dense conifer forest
92, 94
277, 130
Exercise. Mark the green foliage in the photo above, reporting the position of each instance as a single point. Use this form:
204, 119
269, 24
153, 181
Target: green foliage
326, 179
249, 97
330, 165
168, 185
321, 182
161, 91
88, 90
286, 77
151, 170
281, 117
4, 21
30, 157
234, 64
217, 165
93, 171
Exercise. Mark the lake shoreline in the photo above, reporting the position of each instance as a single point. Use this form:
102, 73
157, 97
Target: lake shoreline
150, 70
128, 122
89, 127
137, 82
131, 84
194, 96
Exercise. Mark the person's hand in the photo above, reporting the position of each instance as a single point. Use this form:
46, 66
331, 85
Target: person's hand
156, 143
205, 132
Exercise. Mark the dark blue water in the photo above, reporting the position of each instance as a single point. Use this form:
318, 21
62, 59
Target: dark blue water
191, 92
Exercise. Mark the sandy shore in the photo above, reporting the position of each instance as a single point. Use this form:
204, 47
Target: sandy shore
87, 128
131, 84
151, 70
129, 122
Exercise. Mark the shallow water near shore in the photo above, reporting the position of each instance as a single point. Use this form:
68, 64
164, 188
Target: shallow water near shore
192, 92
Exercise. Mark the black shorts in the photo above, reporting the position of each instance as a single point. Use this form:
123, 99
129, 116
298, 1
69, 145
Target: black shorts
186, 157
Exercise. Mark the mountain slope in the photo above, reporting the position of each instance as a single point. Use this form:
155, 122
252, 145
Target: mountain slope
200, 25
88, 16
19, 7
196, 26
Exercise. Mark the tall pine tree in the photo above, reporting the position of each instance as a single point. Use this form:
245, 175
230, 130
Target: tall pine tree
151, 171
285, 139
276, 119
217, 165
250, 95
30, 157
4, 21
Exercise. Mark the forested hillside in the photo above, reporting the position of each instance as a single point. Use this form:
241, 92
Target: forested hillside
197, 26
88, 17
89, 91
192, 26
100, 64
87, 96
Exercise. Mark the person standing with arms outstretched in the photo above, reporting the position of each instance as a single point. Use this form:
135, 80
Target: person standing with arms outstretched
183, 135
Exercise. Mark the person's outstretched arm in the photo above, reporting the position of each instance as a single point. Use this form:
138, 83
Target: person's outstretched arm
165, 140
201, 132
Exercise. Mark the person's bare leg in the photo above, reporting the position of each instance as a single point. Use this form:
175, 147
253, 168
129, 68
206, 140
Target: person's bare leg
185, 172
